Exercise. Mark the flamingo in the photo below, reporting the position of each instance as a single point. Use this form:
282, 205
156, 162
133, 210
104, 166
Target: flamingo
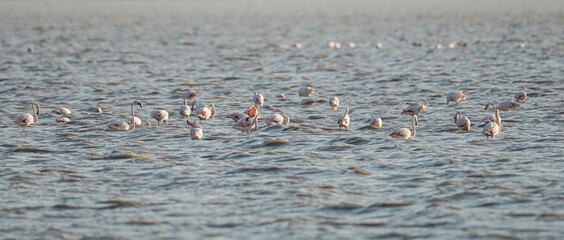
258, 99
27, 119
416, 109
278, 119
197, 131
504, 106
184, 110
456, 97
62, 111
138, 122
334, 103
462, 122
62, 120
160, 115
375, 122
237, 116
404, 132
305, 91
308, 101
123, 125
520, 96
247, 124
344, 120
493, 128
379, 45
190, 95
205, 112
251, 110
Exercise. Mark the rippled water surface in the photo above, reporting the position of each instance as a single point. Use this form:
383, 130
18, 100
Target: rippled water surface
304, 181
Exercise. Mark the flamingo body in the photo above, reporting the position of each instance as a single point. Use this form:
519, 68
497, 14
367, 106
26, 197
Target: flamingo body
416, 109
308, 101
184, 111
334, 103
246, 124
62, 111
189, 95
404, 132
160, 116
520, 96
123, 125
375, 122
305, 91
456, 97
237, 116
278, 119
137, 121
258, 99
463, 123
205, 112
492, 129
196, 132
62, 120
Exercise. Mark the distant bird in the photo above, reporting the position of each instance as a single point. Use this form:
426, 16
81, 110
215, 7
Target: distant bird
62, 120
438, 46
334, 103
308, 101
281, 96
95, 109
504, 106
160, 116
27, 119
123, 125
184, 110
305, 91
404, 132
456, 97
258, 100
375, 122
278, 119
492, 129
416, 109
344, 120
452, 45
463, 123
379, 45
62, 111
351, 45
197, 131
520, 96
247, 124
189, 95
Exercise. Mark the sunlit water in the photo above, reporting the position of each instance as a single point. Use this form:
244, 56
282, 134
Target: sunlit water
303, 181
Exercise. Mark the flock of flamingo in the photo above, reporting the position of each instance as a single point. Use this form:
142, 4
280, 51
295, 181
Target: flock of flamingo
247, 121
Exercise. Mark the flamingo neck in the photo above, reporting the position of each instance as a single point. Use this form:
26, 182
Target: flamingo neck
132, 117
497, 118
413, 126
35, 117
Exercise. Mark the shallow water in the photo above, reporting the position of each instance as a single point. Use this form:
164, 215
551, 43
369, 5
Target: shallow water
80, 181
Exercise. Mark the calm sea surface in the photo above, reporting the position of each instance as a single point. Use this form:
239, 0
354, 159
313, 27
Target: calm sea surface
304, 181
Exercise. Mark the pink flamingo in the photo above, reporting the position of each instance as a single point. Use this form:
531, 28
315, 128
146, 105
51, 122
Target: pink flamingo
305, 91
463, 123
123, 125
160, 115
237, 116
493, 128
334, 103
247, 124
278, 119
344, 120
375, 122
504, 106
62, 111
456, 97
520, 96
197, 131
258, 99
184, 110
62, 120
27, 119
416, 109
138, 122
205, 112
404, 132
189, 95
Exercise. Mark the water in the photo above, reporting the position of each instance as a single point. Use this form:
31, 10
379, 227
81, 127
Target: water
80, 181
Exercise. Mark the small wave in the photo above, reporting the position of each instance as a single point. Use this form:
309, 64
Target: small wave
31, 149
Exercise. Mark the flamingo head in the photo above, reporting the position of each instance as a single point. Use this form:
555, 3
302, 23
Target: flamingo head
194, 104
138, 103
38, 107
463, 95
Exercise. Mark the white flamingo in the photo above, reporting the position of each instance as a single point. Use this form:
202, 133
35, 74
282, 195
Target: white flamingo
197, 131
62, 120
305, 91
416, 109
247, 124
258, 99
189, 95
344, 120
123, 125
404, 132
138, 122
520, 96
278, 119
463, 123
334, 103
375, 122
205, 112
493, 128
160, 116
27, 119
62, 111
456, 97
504, 106
184, 110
